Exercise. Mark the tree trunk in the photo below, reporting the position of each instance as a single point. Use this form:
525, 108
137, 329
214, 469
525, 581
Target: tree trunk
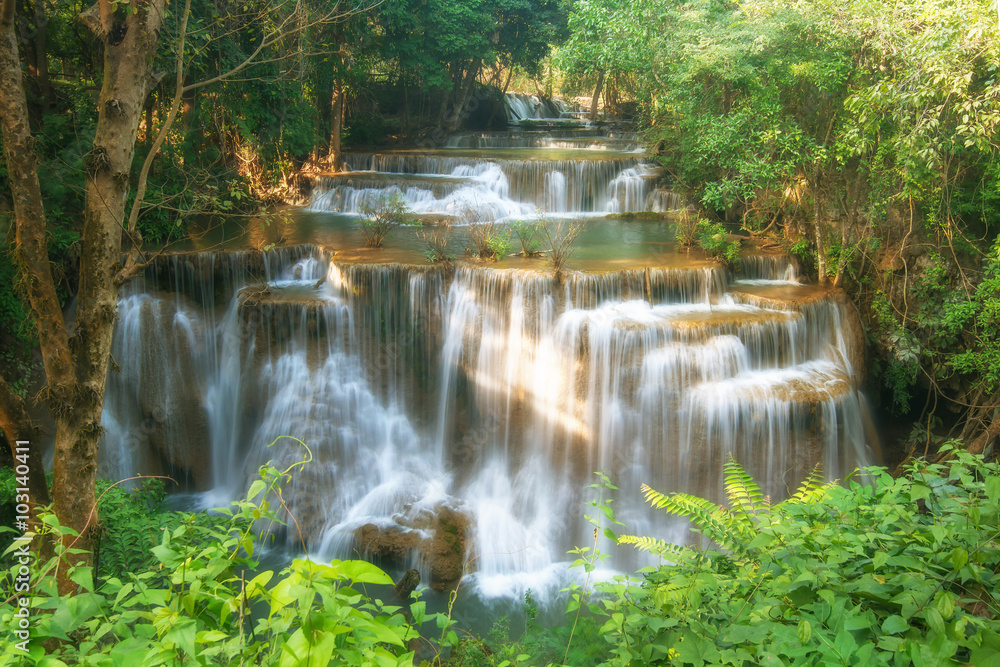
129, 50
497, 107
446, 96
41, 53
336, 123
33, 264
31, 256
988, 435
820, 240
463, 96
597, 95
443, 109
17, 428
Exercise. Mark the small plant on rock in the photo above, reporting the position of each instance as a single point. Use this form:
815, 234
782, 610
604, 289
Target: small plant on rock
687, 227
529, 235
561, 237
488, 239
714, 238
436, 239
379, 216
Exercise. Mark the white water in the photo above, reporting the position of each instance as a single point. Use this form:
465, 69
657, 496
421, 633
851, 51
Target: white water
485, 396
591, 172
493, 393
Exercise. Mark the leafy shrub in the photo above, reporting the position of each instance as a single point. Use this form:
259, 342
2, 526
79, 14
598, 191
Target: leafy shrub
488, 239
529, 235
714, 238
902, 571
369, 129
380, 216
686, 227
194, 607
131, 523
436, 239
500, 244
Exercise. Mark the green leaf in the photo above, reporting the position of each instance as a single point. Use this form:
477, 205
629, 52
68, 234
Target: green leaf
363, 572
83, 577
183, 634
993, 489
894, 625
934, 620
945, 604
959, 558
696, 650
256, 488
804, 631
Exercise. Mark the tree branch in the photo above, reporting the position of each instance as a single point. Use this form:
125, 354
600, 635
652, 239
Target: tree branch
175, 105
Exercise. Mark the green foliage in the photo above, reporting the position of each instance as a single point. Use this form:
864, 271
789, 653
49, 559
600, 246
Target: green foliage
946, 331
195, 605
714, 239
131, 524
500, 244
802, 249
437, 240
902, 571
488, 239
529, 236
369, 129
380, 216
978, 320
686, 227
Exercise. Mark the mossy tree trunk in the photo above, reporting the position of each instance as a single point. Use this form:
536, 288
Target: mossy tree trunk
76, 366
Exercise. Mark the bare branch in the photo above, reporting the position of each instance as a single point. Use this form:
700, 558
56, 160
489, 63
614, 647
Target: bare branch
133, 217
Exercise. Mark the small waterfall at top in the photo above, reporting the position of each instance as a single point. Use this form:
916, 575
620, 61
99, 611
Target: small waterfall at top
571, 170
455, 415
532, 107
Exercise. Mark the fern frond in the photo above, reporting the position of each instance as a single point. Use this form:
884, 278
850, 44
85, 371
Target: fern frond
812, 488
657, 546
714, 522
744, 494
813, 481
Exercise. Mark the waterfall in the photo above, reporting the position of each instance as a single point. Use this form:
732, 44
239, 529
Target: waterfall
454, 415
498, 188
526, 107
474, 404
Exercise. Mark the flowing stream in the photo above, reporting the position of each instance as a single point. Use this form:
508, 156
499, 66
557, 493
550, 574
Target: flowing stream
456, 414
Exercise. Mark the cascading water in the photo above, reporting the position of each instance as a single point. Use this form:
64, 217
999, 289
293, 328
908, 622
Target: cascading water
532, 107
487, 396
576, 171
455, 414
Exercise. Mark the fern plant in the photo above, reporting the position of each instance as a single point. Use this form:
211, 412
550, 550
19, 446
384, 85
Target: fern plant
733, 529
895, 571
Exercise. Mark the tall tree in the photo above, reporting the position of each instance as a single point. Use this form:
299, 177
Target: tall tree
76, 358
76, 363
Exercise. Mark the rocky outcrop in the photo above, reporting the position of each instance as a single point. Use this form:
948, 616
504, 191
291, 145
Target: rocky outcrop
437, 540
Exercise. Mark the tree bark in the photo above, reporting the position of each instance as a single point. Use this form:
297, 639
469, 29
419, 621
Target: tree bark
988, 435
336, 123
17, 426
463, 96
129, 50
41, 52
31, 257
818, 230
597, 95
